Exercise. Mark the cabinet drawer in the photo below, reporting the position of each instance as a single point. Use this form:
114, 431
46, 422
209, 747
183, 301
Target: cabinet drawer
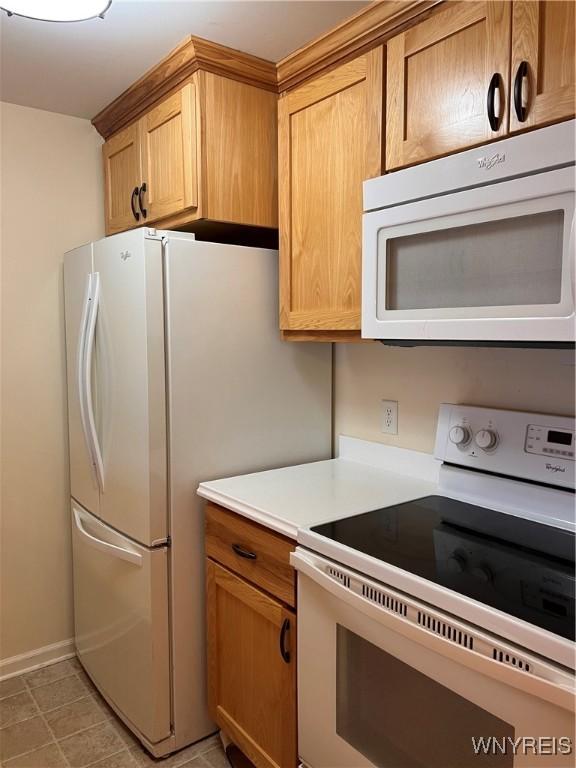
254, 552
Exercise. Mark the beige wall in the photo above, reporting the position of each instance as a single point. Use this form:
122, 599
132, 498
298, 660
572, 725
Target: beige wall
422, 378
51, 201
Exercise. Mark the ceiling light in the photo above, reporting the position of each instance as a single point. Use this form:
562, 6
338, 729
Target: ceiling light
57, 10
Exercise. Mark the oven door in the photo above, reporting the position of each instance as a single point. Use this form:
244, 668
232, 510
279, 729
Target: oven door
491, 263
386, 681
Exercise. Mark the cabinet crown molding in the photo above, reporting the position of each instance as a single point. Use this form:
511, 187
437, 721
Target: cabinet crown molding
193, 54
367, 29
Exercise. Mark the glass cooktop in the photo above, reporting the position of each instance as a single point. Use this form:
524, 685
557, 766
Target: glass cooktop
518, 566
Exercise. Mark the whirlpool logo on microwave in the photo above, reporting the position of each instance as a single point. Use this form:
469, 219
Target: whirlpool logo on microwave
489, 162
554, 468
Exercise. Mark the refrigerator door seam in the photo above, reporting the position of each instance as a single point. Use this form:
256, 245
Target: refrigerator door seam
165, 241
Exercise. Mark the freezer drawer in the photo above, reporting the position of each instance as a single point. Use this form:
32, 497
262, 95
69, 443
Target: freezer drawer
121, 621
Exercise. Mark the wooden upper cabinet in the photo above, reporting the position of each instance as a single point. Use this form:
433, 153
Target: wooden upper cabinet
241, 149
251, 668
438, 76
122, 178
197, 137
169, 155
330, 141
543, 38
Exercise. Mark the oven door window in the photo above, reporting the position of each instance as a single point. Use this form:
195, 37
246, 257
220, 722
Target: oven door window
396, 716
510, 262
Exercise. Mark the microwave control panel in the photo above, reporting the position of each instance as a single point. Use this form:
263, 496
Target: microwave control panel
513, 443
549, 441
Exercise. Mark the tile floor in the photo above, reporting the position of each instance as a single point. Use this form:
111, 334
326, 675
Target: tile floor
54, 718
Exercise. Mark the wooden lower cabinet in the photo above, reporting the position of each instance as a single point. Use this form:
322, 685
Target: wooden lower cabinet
251, 668
253, 552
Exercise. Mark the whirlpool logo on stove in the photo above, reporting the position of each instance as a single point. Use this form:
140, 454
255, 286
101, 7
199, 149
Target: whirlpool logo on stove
489, 162
554, 468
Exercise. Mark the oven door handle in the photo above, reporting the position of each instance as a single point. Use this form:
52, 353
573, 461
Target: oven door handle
559, 692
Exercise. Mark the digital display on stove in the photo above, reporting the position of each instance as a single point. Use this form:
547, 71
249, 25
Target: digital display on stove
560, 438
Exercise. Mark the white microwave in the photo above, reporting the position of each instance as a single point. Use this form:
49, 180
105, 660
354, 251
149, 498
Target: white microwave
475, 248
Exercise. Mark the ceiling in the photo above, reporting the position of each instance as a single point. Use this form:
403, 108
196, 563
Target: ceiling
77, 69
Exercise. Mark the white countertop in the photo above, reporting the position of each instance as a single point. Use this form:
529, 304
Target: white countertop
365, 476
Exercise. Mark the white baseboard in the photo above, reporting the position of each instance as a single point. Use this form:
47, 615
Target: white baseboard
40, 657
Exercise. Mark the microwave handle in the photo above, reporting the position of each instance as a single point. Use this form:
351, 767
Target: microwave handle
557, 693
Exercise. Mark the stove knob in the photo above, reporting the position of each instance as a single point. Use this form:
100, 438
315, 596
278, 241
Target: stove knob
459, 435
486, 439
456, 563
483, 573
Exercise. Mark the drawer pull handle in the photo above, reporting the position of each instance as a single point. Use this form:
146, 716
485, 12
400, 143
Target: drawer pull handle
241, 552
285, 629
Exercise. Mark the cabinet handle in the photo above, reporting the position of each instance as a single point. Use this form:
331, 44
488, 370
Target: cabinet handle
285, 629
133, 204
521, 75
141, 192
493, 102
243, 552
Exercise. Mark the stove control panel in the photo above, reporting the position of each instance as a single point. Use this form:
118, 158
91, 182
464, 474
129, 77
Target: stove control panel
550, 441
524, 445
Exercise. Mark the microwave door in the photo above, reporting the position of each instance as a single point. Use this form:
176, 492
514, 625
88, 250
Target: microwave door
486, 264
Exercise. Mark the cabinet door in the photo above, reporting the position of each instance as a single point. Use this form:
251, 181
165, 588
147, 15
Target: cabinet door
330, 140
438, 78
542, 39
251, 687
121, 177
169, 157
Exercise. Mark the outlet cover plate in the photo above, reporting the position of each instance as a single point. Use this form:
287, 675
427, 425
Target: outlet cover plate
389, 417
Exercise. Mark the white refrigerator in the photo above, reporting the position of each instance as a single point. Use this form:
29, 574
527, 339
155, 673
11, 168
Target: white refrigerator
176, 374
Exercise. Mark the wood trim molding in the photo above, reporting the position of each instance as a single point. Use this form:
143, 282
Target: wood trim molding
326, 336
360, 33
36, 659
367, 29
191, 55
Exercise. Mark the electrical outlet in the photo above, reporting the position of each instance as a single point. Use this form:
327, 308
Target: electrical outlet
390, 417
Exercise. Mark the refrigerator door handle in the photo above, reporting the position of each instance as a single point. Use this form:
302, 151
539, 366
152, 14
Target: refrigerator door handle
80, 365
104, 546
96, 453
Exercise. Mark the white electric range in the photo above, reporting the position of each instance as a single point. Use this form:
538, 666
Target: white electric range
439, 632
